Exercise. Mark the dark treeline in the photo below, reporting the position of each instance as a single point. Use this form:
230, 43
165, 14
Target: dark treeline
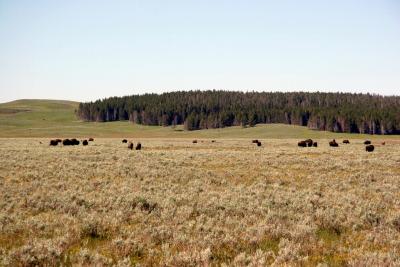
337, 112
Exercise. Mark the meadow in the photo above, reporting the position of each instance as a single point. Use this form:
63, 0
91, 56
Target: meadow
176, 203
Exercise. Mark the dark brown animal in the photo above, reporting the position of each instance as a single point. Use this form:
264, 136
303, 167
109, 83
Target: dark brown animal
67, 142
302, 144
309, 142
74, 142
369, 148
333, 143
258, 143
91, 139
212, 141
315, 144
85, 142
383, 143
194, 142
255, 141
138, 146
53, 142
367, 142
346, 141
130, 145
124, 141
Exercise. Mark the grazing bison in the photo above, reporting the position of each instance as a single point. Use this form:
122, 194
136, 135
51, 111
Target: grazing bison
85, 142
346, 141
67, 142
369, 148
383, 143
75, 142
258, 143
212, 141
138, 146
53, 142
255, 141
367, 142
309, 142
124, 141
194, 142
91, 139
130, 145
333, 143
315, 144
302, 144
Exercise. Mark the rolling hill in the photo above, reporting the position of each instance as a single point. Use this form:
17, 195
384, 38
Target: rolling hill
56, 118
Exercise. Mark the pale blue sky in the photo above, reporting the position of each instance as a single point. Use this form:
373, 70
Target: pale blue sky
84, 50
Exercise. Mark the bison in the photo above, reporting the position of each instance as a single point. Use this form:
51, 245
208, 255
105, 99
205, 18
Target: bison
367, 142
53, 142
124, 141
258, 143
369, 148
130, 145
333, 143
346, 141
85, 142
67, 142
302, 144
74, 142
309, 142
255, 141
138, 146
194, 141
91, 139
212, 141
383, 143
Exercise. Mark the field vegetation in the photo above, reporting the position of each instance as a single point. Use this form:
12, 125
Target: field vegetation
176, 203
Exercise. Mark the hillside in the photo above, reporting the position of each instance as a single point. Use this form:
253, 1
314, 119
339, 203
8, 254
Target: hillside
56, 118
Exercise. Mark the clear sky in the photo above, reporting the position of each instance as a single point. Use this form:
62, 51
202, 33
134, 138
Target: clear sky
85, 50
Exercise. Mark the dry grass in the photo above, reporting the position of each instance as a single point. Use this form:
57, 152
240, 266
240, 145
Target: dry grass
176, 203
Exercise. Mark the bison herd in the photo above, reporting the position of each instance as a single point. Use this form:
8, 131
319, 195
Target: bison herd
304, 143
69, 142
308, 143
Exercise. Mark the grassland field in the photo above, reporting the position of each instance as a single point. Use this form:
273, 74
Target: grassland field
175, 203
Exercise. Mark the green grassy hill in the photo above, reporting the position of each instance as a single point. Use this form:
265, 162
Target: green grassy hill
56, 118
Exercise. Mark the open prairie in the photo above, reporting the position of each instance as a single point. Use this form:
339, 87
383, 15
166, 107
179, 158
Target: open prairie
176, 203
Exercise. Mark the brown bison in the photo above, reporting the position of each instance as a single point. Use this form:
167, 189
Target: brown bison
130, 145
346, 141
67, 142
369, 148
255, 141
138, 146
212, 141
91, 139
309, 142
85, 142
75, 142
333, 143
315, 144
258, 143
194, 141
383, 143
367, 142
53, 142
124, 141
302, 144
